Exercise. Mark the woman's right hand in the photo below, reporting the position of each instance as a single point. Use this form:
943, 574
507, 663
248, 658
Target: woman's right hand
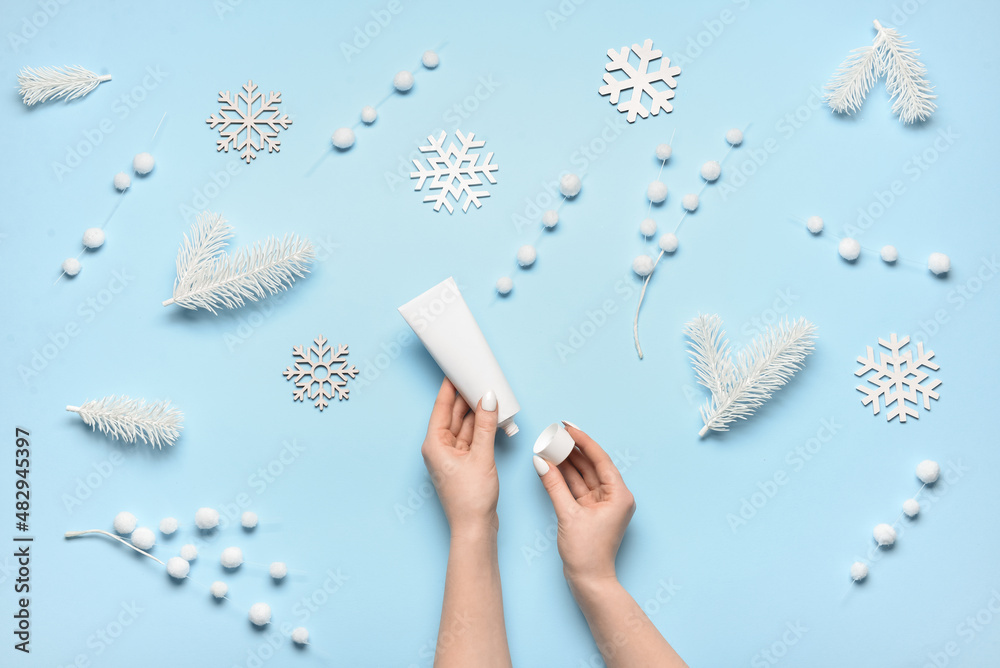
593, 508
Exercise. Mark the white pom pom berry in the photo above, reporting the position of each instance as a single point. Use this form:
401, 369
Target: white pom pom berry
143, 163
859, 571
343, 138
911, 507
260, 614
232, 557
278, 570
143, 538
526, 255
550, 218
430, 59
168, 525
642, 265
219, 589
403, 81
884, 534
928, 471
93, 237
663, 151
656, 192
368, 114
689, 202
734, 136
178, 568
889, 253
71, 266
189, 552
939, 263
668, 242
248, 519
300, 635
505, 285
124, 523
647, 227
569, 185
206, 518
814, 224
849, 249
711, 170
122, 181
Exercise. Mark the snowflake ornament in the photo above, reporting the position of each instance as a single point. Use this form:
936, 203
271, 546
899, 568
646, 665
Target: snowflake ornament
317, 375
249, 129
640, 80
898, 378
454, 171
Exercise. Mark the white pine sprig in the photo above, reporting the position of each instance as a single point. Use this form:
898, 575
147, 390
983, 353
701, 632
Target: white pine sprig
911, 94
852, 81
156, 423
739, 388
210, 279
52, 83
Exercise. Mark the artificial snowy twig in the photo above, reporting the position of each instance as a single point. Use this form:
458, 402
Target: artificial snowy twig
52, 83
74, 534
208, 278
911, 93
739, 388
156, 423
851, 83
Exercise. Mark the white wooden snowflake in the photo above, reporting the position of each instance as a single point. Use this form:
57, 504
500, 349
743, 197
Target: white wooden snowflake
640, 80
249, 129
454, 171
898, 378
317, 374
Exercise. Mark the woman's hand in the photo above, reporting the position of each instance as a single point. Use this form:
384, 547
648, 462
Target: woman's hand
593, 507
458, 453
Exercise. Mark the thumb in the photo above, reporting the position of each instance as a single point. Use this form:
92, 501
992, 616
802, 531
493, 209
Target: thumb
555, 485
485, 430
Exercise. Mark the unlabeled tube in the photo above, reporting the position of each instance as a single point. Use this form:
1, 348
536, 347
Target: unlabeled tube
444, 323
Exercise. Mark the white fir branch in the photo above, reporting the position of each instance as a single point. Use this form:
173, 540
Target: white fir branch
739, 388
156, 423
53, 83
210, 279
911, 94
852, 81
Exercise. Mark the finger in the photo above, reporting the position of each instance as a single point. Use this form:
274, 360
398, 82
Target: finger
484, 433
441, 413
464, 440
555, 485
458, 412
606, 470
585, 467
573, 480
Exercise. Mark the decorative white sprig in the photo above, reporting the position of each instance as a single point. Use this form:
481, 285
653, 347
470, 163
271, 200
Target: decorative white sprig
208, 278
911, 93
156, 423
52, 83
739, 388
889, 55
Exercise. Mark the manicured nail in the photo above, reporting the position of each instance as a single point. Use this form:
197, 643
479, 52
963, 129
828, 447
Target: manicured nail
490, 401
570, 424
541, 466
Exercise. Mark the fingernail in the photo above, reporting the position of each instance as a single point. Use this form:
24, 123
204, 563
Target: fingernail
490, 401
541, 466
570, 424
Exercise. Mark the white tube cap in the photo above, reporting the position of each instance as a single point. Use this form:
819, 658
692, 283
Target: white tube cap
555, 444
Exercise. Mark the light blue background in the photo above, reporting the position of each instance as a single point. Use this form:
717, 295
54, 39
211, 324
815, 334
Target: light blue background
334, 506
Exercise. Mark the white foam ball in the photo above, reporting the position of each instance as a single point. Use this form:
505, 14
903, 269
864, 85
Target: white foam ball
122, 181
71, 266
430, 59
260, 614
206, 518
814, 224
690, 202
143, 163
505, 285
664, 151
178, 568
849, 249
300, 635
569, 185
642, 265
884, 534
526, 255
93, 237
550, 218
889, 253
711, 170
278, 569
403, 81
368, 114
143, 538
656, 192
668, 242
219, 589
647, 227
928, 471
232, 557
124, 523
911, 507
168, 525
859, 571
939, 263
248, 519
189, 552
734, 136
343, 138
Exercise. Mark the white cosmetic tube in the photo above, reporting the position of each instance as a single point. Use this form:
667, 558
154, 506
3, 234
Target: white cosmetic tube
444, 323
